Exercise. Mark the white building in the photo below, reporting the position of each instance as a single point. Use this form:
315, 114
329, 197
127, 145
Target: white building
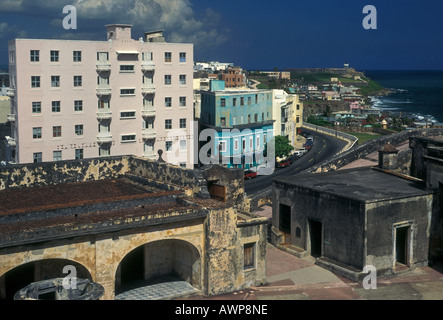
82, 99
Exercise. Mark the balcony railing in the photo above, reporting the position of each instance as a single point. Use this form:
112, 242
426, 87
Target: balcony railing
104, 137
148, 89
148, 66
103, 67
104, 114
11, 117
148, 112
11, 141
104, 91
150, 155
148, 133
10, 92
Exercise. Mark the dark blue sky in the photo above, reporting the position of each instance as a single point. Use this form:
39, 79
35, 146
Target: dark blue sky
254, 34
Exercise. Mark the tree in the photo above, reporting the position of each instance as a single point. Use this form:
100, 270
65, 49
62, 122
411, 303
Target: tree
282, 147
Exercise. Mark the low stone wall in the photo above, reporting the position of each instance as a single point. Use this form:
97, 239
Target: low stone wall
350, 139
257, 200
362, 150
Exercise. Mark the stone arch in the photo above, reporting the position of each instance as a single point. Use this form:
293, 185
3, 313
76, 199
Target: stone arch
23, 274
165, 257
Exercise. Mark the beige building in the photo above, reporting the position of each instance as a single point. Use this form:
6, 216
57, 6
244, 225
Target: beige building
287, 111
82, 99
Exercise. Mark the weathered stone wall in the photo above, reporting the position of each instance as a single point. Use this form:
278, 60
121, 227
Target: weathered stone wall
371, 146
252, 203
232, 179
381, 218
343, 225
51, 173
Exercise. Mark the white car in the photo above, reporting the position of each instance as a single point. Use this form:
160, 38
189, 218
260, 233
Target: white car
300, 152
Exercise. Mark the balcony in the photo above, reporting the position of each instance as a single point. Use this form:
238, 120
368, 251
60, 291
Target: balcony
104, 91
11, 117
148, 112
104, 137
148, 133
148, 89
11, 142
104, 114
10, 92
150, 155
148, 66
103, 67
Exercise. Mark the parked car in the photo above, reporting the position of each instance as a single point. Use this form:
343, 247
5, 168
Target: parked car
249, 174
283, 164
310, 138
300, 152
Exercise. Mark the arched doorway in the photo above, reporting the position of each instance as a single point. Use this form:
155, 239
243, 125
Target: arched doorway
22, 275
157, 262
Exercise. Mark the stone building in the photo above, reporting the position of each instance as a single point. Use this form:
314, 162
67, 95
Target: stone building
122, 221
353, 218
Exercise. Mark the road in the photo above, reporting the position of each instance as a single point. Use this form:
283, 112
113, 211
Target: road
325, 147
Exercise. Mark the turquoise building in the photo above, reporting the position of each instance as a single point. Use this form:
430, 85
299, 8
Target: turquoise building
239, 123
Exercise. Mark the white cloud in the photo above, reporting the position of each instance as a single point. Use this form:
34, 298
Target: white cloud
10, 32
176, 17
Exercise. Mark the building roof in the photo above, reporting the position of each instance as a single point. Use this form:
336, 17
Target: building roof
362, 184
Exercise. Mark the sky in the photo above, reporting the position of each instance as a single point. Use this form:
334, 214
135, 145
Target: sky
253, 34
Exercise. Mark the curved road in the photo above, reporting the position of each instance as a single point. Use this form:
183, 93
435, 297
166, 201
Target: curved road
325, 146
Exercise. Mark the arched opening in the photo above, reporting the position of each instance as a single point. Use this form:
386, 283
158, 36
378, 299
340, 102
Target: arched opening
25, 274
159, 262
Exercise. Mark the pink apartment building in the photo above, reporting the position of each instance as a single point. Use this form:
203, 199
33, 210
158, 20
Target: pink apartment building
83, 99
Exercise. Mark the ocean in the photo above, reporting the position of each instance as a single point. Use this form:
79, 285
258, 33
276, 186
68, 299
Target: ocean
418, 94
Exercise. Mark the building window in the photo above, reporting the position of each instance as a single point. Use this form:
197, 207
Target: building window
128, 138
102, 56
182, 101
37, 133
78, 129
127, 92
249, 256
168, 80
251, 144
127, 68
77, 81
35, 81
37, 157
249, 101
168, 57
103, 152
249, 118
168, 145
54, 56
57, 155
78, 105
255, 117
35, 55
182, 79
298, 232
256, 98
234, 102
168, 124
56, 106
168, 102
242, 101
77, 56
36, 107
236, 144
183, 145
55, 81
222, 146
257, 143
78, 154
223, 102
183, 164
56, 132
127, 115
182, 123
182, 56
223, 121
